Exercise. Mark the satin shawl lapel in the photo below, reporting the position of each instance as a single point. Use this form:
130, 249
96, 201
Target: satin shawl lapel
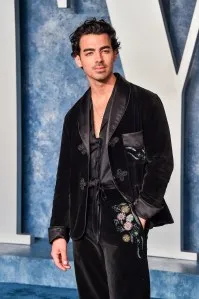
117, 109
119, 105
83, 121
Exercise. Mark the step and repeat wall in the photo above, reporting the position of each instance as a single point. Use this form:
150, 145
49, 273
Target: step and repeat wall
159, 52
10, 125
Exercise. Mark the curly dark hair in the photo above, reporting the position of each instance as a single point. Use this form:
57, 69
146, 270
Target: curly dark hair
92, 26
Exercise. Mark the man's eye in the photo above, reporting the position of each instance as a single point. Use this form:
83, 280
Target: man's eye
89, 53
106, 51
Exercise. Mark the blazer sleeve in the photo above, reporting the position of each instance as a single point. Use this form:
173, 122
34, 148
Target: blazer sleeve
159, 158
59, 223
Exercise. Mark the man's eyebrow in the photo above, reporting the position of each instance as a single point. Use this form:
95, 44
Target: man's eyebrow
92, 49
88, 49
105, 47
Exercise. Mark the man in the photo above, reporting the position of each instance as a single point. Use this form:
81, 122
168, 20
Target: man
114, 166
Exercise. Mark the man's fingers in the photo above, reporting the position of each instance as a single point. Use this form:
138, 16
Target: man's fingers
64, 259
59, 254
58, 262
142, 221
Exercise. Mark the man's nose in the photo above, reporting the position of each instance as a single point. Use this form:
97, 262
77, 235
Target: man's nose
98, 57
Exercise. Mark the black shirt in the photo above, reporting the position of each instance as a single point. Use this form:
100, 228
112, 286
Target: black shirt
100, 171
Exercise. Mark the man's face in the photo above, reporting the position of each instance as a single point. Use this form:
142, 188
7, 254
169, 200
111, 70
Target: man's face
96, 56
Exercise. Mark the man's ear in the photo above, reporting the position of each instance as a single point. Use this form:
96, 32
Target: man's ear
115, 55
78, 61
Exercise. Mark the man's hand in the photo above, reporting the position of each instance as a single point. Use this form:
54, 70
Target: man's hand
59, 254
143, 221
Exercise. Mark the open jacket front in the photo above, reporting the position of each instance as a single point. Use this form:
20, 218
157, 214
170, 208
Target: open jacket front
140, 155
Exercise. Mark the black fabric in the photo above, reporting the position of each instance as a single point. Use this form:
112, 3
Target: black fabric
108, 267
58, 232
134, 109
99, 167
99, 161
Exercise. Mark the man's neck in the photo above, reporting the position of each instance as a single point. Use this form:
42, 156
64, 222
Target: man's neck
101, 91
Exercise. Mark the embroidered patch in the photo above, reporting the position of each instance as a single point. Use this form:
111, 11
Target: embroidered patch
125, 209
121, 174
126, 222
82, 183
81, 148
126, 238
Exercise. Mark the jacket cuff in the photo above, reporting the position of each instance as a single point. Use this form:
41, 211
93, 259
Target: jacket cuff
55, 232
144, 209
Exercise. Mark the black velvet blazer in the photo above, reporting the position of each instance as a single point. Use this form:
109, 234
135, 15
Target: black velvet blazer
140, 154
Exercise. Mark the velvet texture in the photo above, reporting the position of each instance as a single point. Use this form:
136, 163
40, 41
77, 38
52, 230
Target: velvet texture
116, 266
141, 178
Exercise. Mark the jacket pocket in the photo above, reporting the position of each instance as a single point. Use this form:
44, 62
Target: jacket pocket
135, 155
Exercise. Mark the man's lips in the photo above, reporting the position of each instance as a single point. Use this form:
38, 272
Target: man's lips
99, 67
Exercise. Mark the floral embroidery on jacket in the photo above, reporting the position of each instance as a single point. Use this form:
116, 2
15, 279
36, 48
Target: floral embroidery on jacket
81, 148
121, 174
82, 183
126, 222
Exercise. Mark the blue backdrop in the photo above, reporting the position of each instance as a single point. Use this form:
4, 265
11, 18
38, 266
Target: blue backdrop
51, 84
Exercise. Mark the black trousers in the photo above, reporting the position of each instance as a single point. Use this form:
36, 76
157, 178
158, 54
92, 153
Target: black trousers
111, 258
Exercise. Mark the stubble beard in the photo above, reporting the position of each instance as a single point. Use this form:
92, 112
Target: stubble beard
102, 76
